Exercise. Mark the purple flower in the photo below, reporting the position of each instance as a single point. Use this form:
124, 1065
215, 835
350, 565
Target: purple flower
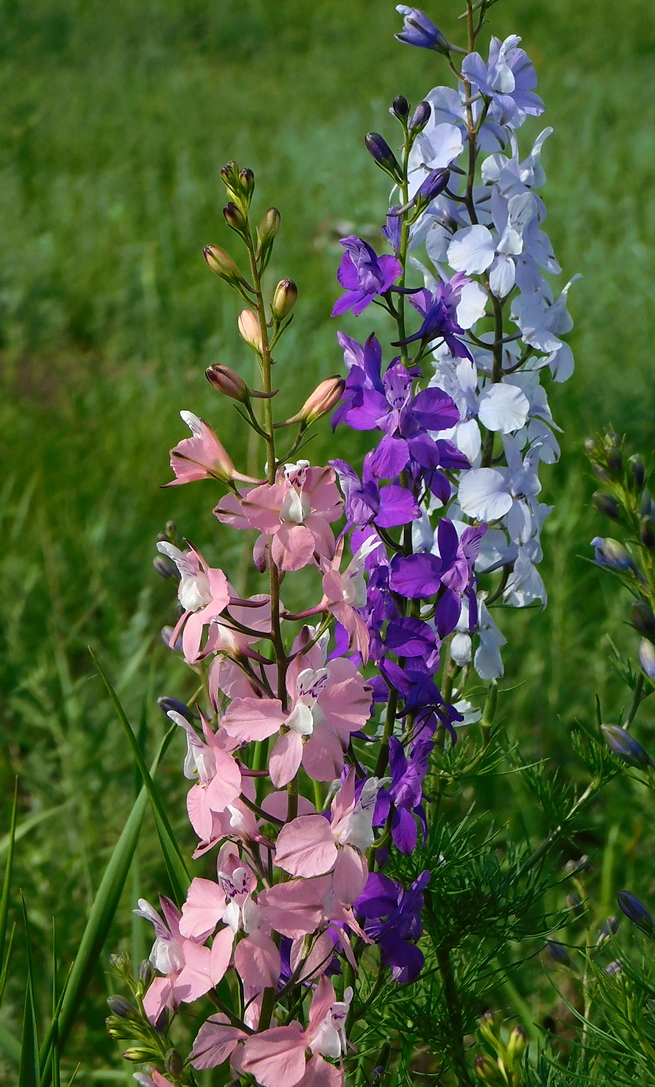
636, 912
441, 320
367, 504
404, 800
420, 31
508, 80
364, 275
396, 936
423, 700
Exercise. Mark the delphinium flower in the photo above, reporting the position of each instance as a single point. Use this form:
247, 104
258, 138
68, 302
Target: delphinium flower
314, 737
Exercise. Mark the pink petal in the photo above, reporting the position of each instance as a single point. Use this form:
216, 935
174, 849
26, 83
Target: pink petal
292, 547
322, 755
230, 511
253, 718
323, 998
214, 1042
221, 954
225, 786
158, 997
200, 814
350, 875
277, 804
193, 979
315, 963
276, 1057
203, 909
257, 961
321, 1074
293, 909
262, 506
284, 759
346, 701
305, 847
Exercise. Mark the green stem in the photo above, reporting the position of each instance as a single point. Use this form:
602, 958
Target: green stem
454, 1013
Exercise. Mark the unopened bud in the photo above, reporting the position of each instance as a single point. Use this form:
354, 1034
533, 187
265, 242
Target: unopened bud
515, 1045
602, 473
240, 184
400, 107
607, 504
643, 619
284, 299
247, 180
235, 218
120, 962
573, 867
325, 397
165, 567
140, 1053
250, 330
614, 968
173, 1062
118, 1029
625, 747
647, 532
420, 117
608, 929
647, 659
575, 905
636, 472
615, 461
227, 382
146, 972
636, 912
379, 149
557, 953
593, 447
120, 1006
646, 507
166, 703
611, 553
222, 265
488, 1070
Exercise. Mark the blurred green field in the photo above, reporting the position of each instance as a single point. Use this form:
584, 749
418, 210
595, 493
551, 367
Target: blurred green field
115, 121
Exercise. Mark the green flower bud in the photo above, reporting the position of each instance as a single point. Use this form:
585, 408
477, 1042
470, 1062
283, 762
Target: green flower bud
284, 299
607, 504
222, 265
643, 619
266, 233
235, 218
140, 1053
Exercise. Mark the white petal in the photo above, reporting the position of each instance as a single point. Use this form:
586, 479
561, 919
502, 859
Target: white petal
483, 494
472, 304
503, 408
472, 250
502, 276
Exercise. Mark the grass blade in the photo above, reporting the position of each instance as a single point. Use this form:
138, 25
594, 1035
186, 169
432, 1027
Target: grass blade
171, 851
4, 899
102, 914
29, 1072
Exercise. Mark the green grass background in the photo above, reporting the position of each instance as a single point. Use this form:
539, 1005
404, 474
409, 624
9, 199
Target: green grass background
115, 120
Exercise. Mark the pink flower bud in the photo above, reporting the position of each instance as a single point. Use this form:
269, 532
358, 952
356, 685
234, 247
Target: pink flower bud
284, 299
226, 381
221, 264
250, 330
323, 399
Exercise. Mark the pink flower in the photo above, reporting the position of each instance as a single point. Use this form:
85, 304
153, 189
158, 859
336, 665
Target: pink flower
203, 593
296, 512
190, 970
216, 773
328, 701
215, 1042
201, 456
277, 1057
344, 592
312, 845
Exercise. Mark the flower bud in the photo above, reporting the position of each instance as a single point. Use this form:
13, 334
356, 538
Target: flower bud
240, 184
146, 972
607, 504
120, 962
173, 1062
420, 117
593, 447
643, 619
636, 472
227, 382
121, 1007
602, 473
235, 218
325, 396
400, 107
615, 461
247, 182
488, 1071
165, 567
515, 1045
266, 233
646, 507
611, 553
625, 747
222, 265
140, 1053
607, 929
557, 953
614, 968
647, 532
647, 659
636, 912
250, 330
575, 905
166, 703
379, 149
118, 1030
284, 299
571, 868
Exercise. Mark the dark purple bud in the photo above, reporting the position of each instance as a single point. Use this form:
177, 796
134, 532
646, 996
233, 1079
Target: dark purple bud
420, 31
165, 567
615, 461
614, 968
625, 747
234, 218
607, 504
146, 972
173, 1063
607, 930
121, 1007
647, 659
420, 117
593, 447
166, 703
400, 107
433, 186
646, 507
636, 912
575, 905
636, 472
643, 619
647, 532
601, 473
247, 181
557, 953
379, 149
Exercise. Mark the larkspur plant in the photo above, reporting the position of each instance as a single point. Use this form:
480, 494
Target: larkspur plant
332, 937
